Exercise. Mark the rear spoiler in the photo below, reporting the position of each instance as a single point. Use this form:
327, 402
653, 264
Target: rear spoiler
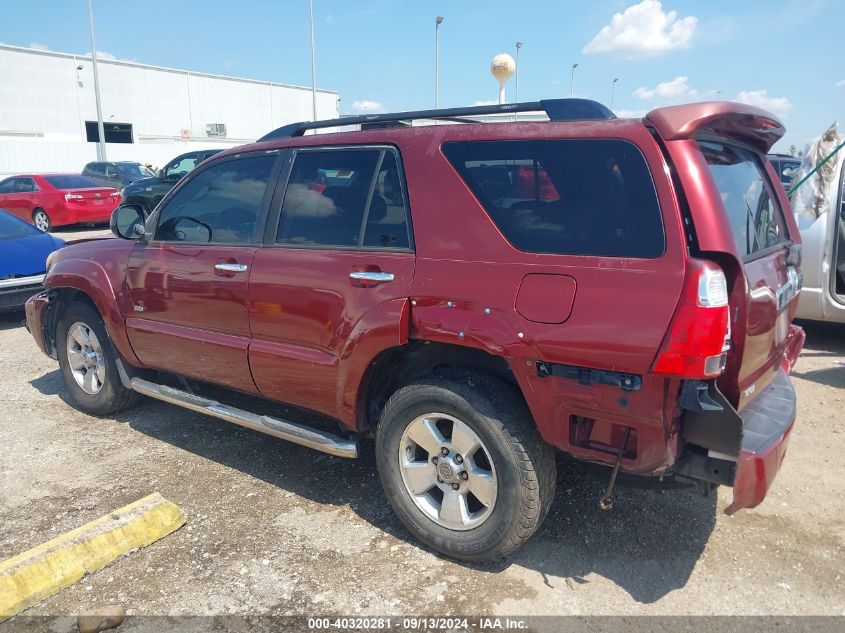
725, 120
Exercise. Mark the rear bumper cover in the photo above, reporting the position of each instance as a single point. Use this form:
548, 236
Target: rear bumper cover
766, 425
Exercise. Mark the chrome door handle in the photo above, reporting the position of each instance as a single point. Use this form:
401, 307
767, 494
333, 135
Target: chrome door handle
377, 277
231, 268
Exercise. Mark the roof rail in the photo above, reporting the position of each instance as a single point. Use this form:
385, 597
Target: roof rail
556, 109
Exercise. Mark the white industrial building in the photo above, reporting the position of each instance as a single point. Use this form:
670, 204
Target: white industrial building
48, 116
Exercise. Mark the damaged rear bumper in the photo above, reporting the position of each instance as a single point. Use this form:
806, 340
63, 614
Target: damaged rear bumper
740, 449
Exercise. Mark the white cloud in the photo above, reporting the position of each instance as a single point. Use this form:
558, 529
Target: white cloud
485, 102
631, 114
678, 87
761, 99
840, 84
643, 30
367, 106
38, 46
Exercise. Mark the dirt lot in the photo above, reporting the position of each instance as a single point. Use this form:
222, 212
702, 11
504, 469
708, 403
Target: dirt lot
275, 528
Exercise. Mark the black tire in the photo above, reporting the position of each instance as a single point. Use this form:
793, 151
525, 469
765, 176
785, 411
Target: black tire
112, 395
46, 222
523, 462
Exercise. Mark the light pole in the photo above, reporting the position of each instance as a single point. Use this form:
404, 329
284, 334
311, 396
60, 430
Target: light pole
572, 81
437, 22
313, 62
101, 145
516, 88
612, 89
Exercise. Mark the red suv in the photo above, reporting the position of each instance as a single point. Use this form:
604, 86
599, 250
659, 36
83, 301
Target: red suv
471, 296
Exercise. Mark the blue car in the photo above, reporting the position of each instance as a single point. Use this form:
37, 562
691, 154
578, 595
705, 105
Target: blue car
23, 260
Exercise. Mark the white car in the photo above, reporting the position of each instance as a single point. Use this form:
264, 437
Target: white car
819, 207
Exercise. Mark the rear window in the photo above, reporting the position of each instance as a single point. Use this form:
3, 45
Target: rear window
71, 182
756, 219
566, 197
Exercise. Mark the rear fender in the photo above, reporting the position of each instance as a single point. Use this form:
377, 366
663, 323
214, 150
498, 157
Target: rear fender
92, 280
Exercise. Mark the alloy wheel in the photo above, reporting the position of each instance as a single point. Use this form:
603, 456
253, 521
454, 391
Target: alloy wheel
85, 357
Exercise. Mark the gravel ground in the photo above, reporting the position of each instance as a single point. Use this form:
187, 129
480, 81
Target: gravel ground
275, 528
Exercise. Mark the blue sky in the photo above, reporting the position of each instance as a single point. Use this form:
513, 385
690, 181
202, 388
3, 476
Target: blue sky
784, 55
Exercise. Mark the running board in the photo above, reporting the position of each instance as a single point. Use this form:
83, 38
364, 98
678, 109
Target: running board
296, 433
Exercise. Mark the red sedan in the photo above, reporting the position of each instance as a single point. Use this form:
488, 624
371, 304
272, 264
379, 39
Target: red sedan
51, 200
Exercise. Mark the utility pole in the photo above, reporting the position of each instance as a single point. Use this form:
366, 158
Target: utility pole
612, 90
572, 81
516, 90
313, 62
101, 134
437, 22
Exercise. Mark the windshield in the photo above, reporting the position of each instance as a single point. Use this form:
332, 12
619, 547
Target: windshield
11, 227
133, 170
71, 181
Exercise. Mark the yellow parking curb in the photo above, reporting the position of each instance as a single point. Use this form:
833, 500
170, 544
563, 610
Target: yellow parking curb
36, 574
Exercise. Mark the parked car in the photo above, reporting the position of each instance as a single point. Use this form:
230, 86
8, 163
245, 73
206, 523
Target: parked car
472, 297
50, 200
785, 166
819, 207
116, 174
23, 256
148, 192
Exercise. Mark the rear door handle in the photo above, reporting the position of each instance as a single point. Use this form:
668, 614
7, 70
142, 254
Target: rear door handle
371, 277
228, 267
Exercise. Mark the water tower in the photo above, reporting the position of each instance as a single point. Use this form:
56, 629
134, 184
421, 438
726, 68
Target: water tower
502, 67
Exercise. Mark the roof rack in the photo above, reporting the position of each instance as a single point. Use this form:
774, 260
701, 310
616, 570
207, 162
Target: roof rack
556, 109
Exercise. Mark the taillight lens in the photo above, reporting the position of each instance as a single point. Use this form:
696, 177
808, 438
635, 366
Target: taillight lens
73, 196
699, 337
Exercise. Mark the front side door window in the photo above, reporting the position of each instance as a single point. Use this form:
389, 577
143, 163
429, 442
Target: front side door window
218, 206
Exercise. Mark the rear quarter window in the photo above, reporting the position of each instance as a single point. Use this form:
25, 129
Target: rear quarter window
755, 216
566, 197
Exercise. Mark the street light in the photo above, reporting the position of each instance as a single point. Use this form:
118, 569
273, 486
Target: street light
572, 81
516, 90
437, 22
612, 88
101, 144
313, 62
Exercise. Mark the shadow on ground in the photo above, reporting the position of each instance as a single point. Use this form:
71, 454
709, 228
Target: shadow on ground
648, 544
11, 320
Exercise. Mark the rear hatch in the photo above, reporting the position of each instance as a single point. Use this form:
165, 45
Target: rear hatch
738, 217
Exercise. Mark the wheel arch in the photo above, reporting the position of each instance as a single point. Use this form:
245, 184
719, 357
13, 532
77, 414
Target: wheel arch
82, 280
398, 366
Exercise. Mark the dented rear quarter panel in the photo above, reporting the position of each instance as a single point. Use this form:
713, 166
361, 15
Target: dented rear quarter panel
620, 314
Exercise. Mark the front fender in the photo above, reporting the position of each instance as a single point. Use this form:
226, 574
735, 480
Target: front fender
384, 326
92, 279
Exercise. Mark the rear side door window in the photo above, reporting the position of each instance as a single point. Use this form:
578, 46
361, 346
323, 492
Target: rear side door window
565, 197
220, 205
755, 216
345, 198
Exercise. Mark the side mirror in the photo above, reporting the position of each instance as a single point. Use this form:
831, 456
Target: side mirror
127, 221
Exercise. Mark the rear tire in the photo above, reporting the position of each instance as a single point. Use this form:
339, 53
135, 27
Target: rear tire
505, 460
87, 360
41, 220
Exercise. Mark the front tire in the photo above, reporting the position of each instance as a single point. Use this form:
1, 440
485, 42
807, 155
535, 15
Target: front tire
463, 466
87, 360
41, 220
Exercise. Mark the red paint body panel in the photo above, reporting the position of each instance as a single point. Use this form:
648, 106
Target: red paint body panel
98, 268
189, 318
97, 206
308, 317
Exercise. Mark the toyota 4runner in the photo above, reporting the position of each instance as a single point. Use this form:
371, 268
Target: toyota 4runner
471, 295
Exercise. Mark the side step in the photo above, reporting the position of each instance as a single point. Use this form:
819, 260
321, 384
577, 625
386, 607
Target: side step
296, 433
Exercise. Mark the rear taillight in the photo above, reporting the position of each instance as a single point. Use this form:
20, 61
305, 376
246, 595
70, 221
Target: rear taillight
73, 196
699, 337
